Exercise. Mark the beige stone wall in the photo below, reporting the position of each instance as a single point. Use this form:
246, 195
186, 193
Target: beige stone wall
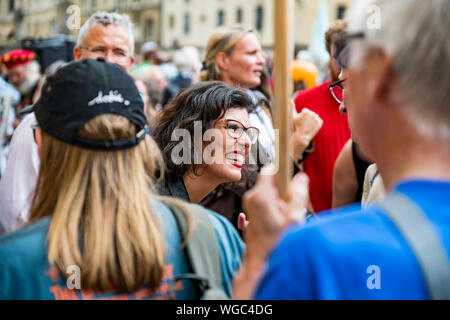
46, 18
41, 18
161, 20
305, 15
6, 21
204, 16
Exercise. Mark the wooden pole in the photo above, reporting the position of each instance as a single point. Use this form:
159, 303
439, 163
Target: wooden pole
283, 90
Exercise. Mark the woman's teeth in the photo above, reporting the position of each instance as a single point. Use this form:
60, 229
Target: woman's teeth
235, 157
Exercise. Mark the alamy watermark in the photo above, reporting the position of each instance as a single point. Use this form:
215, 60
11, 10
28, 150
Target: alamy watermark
374, 280
373, 22
210, 147
73, 21
74, 280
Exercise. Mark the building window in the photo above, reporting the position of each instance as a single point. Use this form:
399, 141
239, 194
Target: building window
187, 23
11, 5
239, 15
220, 18
341, 12
149, 28
172, 22
259, 18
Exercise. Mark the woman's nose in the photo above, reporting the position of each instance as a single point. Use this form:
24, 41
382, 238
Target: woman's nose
261, 59
245, 141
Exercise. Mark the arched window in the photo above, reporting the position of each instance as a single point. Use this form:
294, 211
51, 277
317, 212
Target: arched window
149, 28
341, 12
187, 23
11, 6
259, 18
220, 18
239, 15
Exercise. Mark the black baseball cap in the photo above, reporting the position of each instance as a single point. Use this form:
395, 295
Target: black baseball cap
82, 90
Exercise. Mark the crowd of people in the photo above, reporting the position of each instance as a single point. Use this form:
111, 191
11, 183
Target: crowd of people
148, 180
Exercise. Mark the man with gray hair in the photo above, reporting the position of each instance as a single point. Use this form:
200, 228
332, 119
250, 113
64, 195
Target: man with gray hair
109, 36
104, 35
398, 101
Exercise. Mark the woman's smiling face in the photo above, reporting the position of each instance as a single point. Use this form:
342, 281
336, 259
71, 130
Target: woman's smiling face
229, 153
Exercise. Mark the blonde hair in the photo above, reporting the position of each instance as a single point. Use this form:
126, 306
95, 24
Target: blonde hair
99, 201
225, 40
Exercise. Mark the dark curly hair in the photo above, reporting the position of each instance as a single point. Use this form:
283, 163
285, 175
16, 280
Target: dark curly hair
206, 102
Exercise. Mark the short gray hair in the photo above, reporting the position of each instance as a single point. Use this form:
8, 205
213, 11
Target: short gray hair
415, 34
107, 18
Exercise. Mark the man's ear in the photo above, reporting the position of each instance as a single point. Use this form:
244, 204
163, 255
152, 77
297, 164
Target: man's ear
385, 85
222, 60
381, 71
77, 53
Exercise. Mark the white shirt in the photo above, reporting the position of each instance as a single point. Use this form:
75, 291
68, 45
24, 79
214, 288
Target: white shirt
19, 179
261, 120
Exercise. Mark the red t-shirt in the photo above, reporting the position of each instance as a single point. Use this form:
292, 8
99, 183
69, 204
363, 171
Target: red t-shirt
328, 143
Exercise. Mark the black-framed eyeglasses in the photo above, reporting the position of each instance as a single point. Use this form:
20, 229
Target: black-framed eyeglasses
337, 91
342, 48
235, 130
119, 55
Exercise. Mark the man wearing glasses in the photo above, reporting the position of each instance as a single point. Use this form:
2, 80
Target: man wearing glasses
333, 135
108, 36
104, 35
396, 249
351, 164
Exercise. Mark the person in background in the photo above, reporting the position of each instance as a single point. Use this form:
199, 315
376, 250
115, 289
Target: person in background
373, 190
9, 98
335, 132
95, 209
234, 56
108, 36
188, 64
148, 52
196, 172
51, 69
351, 164
150, 111
304, 75
348, 175
152, 73
164, 61
23, 74
355, 253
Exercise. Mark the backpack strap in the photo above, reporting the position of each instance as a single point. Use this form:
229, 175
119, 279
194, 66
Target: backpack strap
418, 233
203, 252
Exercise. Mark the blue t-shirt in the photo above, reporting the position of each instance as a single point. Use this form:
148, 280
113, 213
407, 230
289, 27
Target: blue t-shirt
356, 254
26, 274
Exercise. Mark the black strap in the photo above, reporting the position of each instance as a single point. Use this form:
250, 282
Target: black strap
203, 251
429, 250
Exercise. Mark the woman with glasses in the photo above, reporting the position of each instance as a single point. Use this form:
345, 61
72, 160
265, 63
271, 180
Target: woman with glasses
234, 56
205, 137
